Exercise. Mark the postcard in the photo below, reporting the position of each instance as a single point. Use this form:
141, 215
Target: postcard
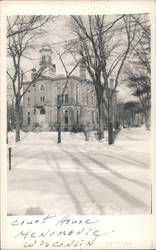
78, 124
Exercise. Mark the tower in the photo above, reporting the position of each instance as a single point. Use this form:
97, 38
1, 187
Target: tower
46, 56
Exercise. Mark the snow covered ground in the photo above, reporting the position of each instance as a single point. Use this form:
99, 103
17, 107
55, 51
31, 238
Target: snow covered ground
78, 176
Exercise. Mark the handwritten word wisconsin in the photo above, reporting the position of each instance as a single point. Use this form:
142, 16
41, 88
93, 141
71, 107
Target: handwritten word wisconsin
60, 244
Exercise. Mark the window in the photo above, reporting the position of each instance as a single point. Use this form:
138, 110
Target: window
28, 100
93, 116
43, 58
92, 97
77, 94
28, 118
77, 117
42, 88
97, 116
58, 98
58, 90
87, 96
42, 111
66, 98
58, 95
66, 117
66, 95
66, 120
42, 99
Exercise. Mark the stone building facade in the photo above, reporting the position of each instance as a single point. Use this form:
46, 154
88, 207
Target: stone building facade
79, 108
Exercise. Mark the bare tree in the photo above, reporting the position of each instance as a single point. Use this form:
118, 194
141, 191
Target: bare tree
21, 32
61, 97
129, 111
116, 65
139, 69
104, 53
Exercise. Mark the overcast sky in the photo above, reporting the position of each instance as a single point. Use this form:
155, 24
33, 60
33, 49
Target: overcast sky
58, 33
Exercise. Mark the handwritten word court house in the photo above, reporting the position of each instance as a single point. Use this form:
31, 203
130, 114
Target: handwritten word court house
79, 108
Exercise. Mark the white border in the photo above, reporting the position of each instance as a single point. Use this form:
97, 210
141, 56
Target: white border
140, 230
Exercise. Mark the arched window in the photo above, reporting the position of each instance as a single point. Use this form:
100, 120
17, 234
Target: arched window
42, 111
77, 117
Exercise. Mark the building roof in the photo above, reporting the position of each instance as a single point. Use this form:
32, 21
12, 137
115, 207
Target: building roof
57, 78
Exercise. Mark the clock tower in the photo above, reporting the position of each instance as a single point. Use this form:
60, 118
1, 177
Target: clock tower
46, 56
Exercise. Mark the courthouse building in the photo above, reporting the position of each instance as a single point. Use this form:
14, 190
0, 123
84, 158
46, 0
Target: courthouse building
79, 107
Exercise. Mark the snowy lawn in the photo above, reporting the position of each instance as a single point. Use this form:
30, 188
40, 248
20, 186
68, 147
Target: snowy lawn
78, 176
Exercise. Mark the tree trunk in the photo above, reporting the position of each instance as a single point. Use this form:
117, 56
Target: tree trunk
59, 124
147, 119
101, 118
7, 134
59, 135
132, 118
110, 121
17, 111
